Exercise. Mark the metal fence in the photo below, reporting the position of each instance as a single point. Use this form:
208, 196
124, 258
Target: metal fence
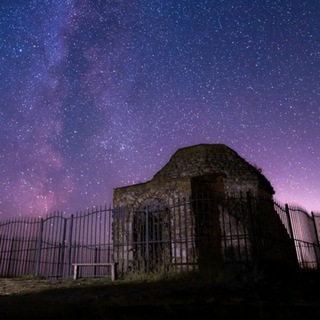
303, 229
48, 246
151, 238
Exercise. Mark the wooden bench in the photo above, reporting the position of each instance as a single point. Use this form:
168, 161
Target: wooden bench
77, 265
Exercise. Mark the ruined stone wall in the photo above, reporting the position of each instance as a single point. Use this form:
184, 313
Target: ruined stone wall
173, 180
220, 173
164, 191
201, 160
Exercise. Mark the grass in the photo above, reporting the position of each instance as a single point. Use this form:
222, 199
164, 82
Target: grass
168, 297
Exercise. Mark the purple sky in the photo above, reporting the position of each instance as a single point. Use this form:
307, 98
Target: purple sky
99, 94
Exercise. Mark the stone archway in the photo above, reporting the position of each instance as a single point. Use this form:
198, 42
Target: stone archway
151, 233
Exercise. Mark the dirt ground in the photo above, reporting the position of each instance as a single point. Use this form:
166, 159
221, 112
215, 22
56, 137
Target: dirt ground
101, 299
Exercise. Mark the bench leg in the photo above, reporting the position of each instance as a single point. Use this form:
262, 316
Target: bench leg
75, 272
112, 273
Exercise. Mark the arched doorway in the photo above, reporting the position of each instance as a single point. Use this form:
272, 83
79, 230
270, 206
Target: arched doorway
151, 235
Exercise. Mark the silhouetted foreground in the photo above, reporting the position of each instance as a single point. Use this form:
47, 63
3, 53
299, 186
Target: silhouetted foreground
290, 298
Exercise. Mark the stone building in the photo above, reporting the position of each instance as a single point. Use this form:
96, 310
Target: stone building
207, 208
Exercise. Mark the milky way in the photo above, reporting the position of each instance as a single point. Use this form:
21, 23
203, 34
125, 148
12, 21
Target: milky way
99, 94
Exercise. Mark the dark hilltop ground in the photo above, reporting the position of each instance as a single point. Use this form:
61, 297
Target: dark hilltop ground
291, 297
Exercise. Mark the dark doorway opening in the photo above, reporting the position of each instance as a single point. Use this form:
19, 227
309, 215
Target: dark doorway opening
150, 236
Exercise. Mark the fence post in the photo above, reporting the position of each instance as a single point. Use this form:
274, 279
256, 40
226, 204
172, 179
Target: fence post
95, 261
109, 226
254, 236
317, 240
289, 222
147, 239
63, 248
69, 246
39, 248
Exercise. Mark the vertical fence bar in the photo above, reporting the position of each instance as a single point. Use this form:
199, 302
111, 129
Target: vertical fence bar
169, 237
192, 234
58, 246
100, 237
62, 262
74, 241
87, 233
180, 235
174, 226
50, 245
127, 214
28, 249
92, 217
10, 257
223, 229
109, 230
186, 233
124, 244
228, 212
147, 240
105, 232
69, 248
7, 245
152, 238
39, 248
252, 217
117, 235
80, 231
289, 222
317, 247
18, 252
84, 235
95, 261
2, 242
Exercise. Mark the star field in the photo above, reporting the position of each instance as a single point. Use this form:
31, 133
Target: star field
95, 95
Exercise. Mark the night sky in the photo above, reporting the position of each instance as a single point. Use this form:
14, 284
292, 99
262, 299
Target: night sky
96, 95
